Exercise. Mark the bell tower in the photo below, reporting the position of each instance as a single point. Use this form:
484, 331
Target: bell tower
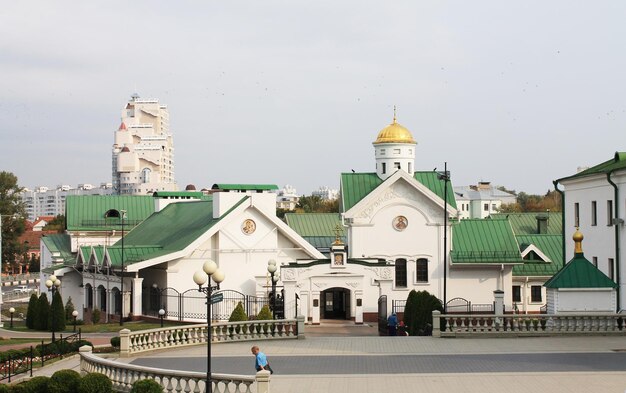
394, 150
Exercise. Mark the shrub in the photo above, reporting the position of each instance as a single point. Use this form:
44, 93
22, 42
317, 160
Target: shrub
38, 385
69, 309
43, 311
64, 381
31, 312
115, 342
95, 383
265, 314
238, 314
418, 312
146, 386
4, 389
57, 314
20, 388
95, 316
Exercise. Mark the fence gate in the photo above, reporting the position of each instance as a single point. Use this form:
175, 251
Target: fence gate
457, 305
382, 315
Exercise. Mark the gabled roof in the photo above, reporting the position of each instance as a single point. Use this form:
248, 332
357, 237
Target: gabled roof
476, 241
86, 212
580, 273
182, 195
60, 246
550, 245
316, 228
356, 186
618, 162
526, 223
170, 230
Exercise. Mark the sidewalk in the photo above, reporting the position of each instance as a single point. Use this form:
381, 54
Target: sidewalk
571, 382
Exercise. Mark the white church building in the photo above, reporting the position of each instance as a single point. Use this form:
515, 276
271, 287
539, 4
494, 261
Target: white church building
394, 233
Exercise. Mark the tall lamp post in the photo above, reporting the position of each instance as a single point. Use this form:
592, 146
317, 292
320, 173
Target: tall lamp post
161, 315
74, 314
53, 284
209, 270
445, 176
271, 269
123, 217
11, 311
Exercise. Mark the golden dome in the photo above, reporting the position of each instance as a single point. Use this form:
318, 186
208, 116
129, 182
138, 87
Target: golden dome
394, 133
578, 240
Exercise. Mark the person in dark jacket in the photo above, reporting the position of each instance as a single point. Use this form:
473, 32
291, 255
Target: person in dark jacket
392, 324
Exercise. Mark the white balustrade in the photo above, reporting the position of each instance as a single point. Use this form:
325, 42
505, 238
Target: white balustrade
527, 324
123, 375
184, 335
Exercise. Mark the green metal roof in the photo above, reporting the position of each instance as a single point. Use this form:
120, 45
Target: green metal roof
170, 230
314, 224
356, 186
244, 187
484, 241
86, 212
618, 162
550, 245
181, 195
580, 273
526, 223
59, 243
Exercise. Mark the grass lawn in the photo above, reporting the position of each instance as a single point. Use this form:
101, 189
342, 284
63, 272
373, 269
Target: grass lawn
99, 328
15, 341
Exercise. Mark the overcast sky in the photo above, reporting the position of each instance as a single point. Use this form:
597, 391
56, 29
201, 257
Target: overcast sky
289, 92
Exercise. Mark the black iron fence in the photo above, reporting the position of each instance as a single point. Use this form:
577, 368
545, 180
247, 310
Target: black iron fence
60, 347
191, 304
15, 362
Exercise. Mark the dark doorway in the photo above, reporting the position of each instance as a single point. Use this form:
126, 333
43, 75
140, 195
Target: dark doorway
335, 303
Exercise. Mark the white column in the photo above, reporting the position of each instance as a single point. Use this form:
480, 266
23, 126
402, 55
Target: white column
316, 303
137, 296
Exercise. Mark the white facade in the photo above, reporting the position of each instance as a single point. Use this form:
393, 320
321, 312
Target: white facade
326, 193
597, 207
43, 201
143, 152
481, 200
287, 198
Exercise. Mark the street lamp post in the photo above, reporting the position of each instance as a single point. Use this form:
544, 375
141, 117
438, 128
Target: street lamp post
11, 311
74, 314
209, 270
161, 315
271, 269
53, 284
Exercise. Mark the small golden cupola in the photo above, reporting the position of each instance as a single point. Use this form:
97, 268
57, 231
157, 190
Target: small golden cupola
394, 150
578, 241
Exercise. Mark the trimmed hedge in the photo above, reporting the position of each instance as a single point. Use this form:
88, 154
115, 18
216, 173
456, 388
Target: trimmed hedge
64, 381
146, 386
95, 383
38, 385
115, 342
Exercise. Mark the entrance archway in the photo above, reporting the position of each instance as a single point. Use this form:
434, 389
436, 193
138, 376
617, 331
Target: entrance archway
335, 303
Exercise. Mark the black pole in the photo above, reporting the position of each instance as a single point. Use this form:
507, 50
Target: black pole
122, 276
446, 179
53, 324
273, 297
161, 316
11, 320
209, 387
74, 324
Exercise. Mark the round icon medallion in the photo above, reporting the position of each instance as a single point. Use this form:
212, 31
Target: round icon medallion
248, 227
400, 223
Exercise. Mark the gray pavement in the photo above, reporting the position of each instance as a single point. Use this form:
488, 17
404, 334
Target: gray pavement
368, 363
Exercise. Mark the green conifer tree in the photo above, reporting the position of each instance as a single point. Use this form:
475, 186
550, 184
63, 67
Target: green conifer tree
43, 312
69, 309
31, 311
57, 314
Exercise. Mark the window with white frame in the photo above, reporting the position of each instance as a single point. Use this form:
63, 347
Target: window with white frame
535, 294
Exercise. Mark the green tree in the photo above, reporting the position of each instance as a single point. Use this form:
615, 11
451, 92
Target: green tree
31, 311
69, 309
418, 312
57, 313
12, 208
265, 314
56, 224
43, 312
238, 314
410, 311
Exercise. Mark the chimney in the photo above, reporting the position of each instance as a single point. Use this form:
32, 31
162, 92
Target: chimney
542, 224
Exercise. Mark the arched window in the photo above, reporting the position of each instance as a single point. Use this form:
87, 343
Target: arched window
421, 270
401, 273
145, 175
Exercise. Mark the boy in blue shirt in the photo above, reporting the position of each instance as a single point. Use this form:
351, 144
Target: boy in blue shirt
260, 360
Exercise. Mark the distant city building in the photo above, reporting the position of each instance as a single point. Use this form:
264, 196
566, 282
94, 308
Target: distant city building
143, 152
481, 200
287, 198
326, 193
44, 201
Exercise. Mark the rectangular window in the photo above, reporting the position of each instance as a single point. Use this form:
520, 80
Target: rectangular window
517, 294
384, 168
535, 294
382, 152
401, 273
421, 269
595, 261
493, 207
396, 165
594, 213
609, 212
486, 207
410, 169
611, 269
576, 214
396, 151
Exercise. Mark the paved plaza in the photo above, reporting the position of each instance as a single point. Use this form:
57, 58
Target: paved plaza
346, 358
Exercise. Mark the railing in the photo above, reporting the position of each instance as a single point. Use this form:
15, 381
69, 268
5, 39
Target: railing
180, 336
123, 375
526, 324
12, 365
60, 347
